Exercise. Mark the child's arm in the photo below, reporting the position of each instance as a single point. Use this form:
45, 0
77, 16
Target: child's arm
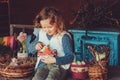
68, 50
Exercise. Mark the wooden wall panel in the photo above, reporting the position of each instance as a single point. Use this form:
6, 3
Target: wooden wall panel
23, 11
4, 17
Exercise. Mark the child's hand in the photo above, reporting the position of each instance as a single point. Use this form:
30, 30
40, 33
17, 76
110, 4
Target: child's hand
54, 52
39, 46
48, 59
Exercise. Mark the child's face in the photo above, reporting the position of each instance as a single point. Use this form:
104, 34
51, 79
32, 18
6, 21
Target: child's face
47, 27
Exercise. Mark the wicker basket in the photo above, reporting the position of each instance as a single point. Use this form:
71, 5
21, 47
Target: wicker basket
16, 74
79, 71
22, 70
95, 72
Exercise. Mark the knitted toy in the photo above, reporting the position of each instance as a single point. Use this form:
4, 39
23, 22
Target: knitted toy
45, 52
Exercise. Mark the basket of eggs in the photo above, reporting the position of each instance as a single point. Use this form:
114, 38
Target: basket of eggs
79, 70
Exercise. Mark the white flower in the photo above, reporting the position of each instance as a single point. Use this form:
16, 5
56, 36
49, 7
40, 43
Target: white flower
22, 39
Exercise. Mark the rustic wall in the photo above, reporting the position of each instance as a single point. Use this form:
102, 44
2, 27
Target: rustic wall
23, 11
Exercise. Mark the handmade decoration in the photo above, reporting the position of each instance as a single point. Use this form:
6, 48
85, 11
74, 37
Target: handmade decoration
21, 38
45, 52
22, 49
98, 67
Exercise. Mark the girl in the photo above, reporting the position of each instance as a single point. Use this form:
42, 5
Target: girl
53, 33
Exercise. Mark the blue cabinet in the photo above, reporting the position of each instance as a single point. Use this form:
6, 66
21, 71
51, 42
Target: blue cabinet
82, 39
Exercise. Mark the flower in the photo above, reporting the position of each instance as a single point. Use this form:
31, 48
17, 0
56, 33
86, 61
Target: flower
22, 39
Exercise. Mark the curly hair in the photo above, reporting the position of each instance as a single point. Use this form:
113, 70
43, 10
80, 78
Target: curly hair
53, 14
